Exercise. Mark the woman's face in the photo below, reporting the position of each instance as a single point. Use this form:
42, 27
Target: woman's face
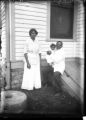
33, 35
59, 45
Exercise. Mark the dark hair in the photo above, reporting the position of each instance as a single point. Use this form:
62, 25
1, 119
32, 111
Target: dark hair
61, 43
33, 29
52, 45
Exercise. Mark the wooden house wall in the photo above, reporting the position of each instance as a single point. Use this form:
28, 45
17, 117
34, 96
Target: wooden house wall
26, 15
35, 15
3, 30
80, 29
29, 15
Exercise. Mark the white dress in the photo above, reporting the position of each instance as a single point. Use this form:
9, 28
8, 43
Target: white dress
32, 76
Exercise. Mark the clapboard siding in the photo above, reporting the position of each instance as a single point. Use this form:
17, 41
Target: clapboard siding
26, 30
75, 48
25, 26
30, 8
80, 28
3, 32
26, 33
23, 38
33, 4
29, 15
34, 15
37, 22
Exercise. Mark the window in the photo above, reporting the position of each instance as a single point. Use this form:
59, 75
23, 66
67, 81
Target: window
61, 21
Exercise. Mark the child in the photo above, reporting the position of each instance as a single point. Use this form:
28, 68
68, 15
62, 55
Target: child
50, 53
49, 69
58, 63
52, 46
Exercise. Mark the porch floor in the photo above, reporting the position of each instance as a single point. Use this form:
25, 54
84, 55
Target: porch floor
44, 101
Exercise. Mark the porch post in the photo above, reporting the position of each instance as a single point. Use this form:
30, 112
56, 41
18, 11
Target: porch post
10, 39
7, 14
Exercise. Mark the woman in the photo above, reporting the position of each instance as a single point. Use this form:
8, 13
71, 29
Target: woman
31, 76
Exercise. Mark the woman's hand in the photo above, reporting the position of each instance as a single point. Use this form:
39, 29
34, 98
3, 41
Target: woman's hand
27, 61
28, 65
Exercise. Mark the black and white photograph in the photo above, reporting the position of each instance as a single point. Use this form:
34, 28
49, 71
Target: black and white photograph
42, 57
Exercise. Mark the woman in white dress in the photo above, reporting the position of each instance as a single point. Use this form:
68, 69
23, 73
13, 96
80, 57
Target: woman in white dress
31, 76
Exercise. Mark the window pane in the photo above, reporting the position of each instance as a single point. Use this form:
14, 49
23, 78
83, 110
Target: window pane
61, 22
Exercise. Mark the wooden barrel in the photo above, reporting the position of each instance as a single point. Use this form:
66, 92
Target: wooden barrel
15, 101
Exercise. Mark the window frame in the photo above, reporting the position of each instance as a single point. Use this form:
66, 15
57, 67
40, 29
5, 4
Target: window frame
48, 26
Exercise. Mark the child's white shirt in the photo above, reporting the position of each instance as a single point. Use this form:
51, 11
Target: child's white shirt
49, 57
58, 60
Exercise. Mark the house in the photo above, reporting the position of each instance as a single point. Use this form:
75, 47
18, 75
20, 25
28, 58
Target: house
0, 29
17, 17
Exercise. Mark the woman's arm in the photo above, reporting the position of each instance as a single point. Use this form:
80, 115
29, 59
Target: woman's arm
27, 61
25, 54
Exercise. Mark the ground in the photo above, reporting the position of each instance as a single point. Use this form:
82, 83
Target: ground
44, 101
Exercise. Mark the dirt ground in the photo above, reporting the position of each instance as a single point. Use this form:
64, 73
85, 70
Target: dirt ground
45, 100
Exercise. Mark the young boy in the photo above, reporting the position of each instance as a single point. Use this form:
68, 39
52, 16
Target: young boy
58, 63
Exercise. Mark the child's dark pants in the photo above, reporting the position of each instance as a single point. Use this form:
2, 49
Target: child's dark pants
52, 79
55, 81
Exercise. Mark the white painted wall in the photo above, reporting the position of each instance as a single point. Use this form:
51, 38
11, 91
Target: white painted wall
29, 15
0, 16
80, 29
34, 15
3, 31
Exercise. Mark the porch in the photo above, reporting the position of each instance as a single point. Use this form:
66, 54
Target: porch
14, 34
43, 101
73, 76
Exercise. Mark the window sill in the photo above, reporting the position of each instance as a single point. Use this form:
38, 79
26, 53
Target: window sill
64, 40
